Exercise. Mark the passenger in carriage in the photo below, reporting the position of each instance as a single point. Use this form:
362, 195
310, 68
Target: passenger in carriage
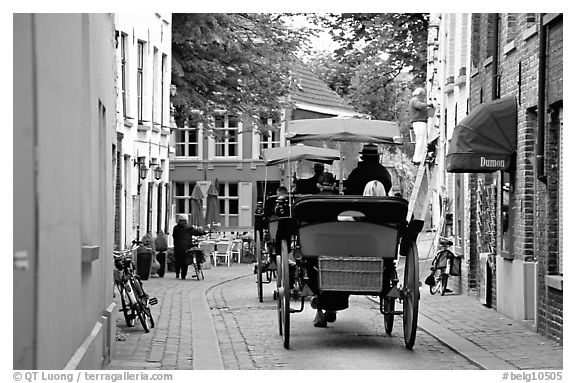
309, 185
367, 170
326, 183
327, 302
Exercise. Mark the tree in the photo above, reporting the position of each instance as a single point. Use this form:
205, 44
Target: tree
374, 50
238, 63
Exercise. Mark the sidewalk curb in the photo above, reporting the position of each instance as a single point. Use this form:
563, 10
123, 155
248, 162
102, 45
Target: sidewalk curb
469, 350
205, 347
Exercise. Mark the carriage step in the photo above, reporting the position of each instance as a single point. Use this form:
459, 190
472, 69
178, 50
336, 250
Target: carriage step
152, 301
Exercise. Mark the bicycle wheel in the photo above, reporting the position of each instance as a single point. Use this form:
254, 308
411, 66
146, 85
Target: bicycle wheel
127, 310
443, 283
284, 293
411, 296
258, 251
143, 312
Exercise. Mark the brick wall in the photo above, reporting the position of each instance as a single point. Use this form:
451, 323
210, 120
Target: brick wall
535, 213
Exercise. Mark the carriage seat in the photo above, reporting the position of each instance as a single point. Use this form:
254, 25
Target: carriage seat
350, 226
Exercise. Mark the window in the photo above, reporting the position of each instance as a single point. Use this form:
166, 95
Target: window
187, 141
140, 81
123, 78
182, 197
509, 26
162, 88
226, 136
271, 138
228, 198
155, 89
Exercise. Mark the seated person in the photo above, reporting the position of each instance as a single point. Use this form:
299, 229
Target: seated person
282, 190
369, 169
374, 188
309, 185
326, 183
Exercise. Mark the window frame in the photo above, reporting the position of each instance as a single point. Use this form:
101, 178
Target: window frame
225, 142
186, 197
224, 201
187, 143
124, 73
140, 81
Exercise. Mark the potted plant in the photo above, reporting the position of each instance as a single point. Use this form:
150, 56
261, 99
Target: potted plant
144, 255
161, 244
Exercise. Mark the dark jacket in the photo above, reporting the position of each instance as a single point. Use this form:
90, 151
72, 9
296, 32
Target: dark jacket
307, 185
366, 172
418, 110
182, 235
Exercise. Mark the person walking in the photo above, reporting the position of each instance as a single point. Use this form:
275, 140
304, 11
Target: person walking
419, 120
182, 235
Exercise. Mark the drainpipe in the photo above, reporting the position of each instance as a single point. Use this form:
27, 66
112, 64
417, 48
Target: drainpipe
495, 41
541, 103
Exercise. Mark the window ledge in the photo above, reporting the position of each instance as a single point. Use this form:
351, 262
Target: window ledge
554, 281
165, 131
549, 17
128, 124
474, 72
509, 48
461, 80
143, 128
529, 32
156, 129
487, 62
449, 88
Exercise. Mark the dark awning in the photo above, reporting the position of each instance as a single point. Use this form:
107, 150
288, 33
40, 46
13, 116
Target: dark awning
485, 140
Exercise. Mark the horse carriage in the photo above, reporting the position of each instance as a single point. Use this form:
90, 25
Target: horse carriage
342, 245
266, 214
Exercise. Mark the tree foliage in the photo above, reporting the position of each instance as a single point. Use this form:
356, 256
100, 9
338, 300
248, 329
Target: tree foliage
374, 50
233, 62
380, 58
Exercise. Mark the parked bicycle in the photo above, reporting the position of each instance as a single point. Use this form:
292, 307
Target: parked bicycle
444, 264
196, 258
135, 302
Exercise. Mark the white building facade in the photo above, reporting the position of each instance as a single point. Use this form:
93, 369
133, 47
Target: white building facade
143, 59
448, 85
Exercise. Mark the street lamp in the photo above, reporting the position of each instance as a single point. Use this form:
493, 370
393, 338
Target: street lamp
158, 172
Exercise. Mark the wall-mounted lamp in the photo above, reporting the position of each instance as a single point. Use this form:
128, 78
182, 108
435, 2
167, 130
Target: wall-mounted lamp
158, 172
142, 169
157, 169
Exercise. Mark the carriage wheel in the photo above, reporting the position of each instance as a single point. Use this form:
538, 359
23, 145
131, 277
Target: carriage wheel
277, 292
258, 251
389, 318
412, 295
284, 293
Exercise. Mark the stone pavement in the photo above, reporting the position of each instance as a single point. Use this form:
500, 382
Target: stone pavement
481, 334
185, 335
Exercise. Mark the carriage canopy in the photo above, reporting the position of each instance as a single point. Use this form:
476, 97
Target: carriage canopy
344, 129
